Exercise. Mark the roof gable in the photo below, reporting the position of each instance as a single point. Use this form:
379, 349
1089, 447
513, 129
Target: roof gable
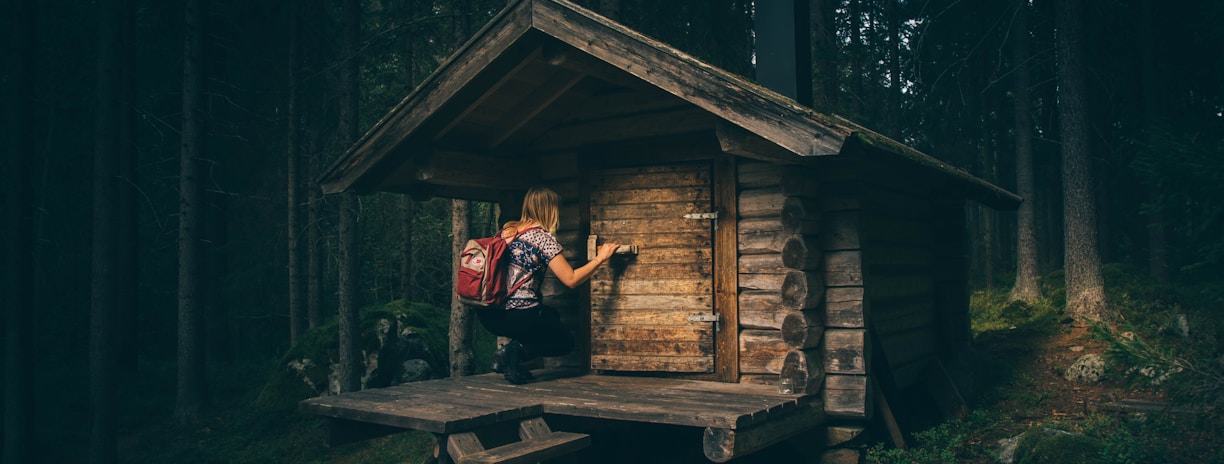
544, 75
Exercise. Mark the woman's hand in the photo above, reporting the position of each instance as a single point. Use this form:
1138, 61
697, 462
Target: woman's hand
606, 251
571, 277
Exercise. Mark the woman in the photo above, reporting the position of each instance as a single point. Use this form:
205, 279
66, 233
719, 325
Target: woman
535, 330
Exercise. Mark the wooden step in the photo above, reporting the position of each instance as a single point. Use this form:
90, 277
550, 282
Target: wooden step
551, 445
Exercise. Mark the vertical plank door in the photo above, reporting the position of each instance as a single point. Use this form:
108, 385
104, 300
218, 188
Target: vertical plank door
653, 311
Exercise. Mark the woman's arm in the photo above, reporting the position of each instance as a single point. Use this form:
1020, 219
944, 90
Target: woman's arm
574, 277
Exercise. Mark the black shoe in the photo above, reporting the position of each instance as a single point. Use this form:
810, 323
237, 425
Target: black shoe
499, 360
513, 364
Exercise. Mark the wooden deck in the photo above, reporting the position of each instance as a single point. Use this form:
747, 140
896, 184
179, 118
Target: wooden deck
737, 417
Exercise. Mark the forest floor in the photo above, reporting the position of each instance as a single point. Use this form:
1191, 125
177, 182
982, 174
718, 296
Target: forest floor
1012, 381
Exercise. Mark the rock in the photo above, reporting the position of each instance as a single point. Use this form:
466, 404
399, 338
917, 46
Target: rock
1054, 446
1182, 326
415, 370
395, 343
1088, 368
1007, 449
1077, 349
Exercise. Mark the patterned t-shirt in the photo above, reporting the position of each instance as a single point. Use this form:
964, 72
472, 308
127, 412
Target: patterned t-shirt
530, 254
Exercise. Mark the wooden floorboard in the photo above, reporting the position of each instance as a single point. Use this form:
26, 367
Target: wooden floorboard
449, 405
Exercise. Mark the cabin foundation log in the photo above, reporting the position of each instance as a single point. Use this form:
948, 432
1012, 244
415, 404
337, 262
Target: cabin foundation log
722, 445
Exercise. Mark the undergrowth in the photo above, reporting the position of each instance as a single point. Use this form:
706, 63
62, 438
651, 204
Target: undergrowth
1166, 343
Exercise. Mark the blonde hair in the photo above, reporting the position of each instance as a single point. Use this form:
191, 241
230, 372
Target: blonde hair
542, 205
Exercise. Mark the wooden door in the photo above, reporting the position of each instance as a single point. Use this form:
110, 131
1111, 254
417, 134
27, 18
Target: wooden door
654, 310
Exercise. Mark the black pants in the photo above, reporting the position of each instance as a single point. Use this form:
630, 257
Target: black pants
538, 329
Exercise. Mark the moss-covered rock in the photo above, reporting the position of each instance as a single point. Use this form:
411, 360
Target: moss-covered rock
1049, 446
399, 342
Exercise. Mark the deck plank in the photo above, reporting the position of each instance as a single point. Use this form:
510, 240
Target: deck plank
449, 405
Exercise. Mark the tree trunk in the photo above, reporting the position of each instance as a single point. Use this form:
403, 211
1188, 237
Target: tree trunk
18, 317
462, 24
610, 9
102, 437
191, 386
893, 117
1158, 237
350, 355
127, 273
297, 317
461, 356
407, 280
824, 55
1085, 286
314, 260
1025, 288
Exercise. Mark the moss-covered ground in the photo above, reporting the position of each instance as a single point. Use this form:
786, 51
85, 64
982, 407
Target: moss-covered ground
1013, 380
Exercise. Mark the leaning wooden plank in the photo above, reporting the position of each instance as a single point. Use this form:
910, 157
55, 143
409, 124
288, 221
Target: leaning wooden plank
722, 445
532, 450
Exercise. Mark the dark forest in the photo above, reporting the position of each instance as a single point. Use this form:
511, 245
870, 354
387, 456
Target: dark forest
166, 242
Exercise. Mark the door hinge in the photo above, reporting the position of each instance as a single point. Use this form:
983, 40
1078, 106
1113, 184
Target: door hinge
710, 215
705, 318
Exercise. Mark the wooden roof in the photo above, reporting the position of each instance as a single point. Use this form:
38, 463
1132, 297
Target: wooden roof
547, 77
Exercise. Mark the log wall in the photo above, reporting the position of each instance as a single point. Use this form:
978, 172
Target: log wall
781, 286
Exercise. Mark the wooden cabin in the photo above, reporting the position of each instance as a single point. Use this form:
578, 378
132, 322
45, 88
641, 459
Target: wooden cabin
773, 244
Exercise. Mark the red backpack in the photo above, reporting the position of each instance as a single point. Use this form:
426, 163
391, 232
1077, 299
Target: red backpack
483, 267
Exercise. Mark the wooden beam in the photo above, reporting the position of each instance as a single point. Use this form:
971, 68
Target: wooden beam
488, 93
726, 283
461, 169
722, 445
531, 106
737, 141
